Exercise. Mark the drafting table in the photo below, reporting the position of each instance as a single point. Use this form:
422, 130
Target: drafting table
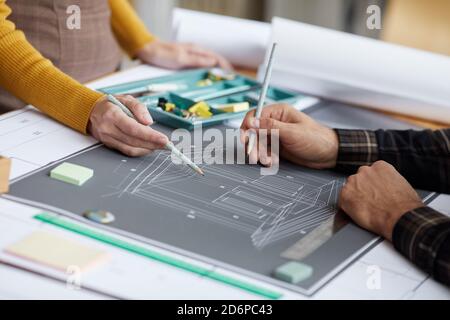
41, 141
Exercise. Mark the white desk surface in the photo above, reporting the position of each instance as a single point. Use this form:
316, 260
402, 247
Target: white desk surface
32, 140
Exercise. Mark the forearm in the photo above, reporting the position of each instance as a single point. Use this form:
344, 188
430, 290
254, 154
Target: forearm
423, 236
423, 157
129, 30
32, 78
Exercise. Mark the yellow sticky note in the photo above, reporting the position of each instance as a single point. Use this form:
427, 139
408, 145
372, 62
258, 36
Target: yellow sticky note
234, 107
55, 251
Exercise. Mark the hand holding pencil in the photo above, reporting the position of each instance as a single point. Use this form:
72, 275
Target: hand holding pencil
262, 97
302, 140
164, 142
114, 128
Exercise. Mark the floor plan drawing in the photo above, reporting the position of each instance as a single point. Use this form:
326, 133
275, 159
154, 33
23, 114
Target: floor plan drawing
233, 217
268, 208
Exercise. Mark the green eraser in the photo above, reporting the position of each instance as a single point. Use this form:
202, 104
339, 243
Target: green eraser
72, 173
293, 272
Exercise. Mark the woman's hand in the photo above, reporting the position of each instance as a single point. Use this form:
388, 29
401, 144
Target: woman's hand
180, 56
110, 125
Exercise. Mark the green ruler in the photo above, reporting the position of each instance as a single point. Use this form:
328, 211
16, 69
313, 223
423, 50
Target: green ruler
58, 221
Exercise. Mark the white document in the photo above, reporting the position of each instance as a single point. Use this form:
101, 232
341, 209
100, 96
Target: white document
32, 139
362, 71
442, 204
18, 284
242, 42
125, 274
138, 73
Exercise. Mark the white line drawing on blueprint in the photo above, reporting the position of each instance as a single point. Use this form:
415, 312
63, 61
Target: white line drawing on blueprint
268, 208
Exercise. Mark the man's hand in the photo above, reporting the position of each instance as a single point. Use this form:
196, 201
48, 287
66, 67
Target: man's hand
377, 197
302, 140
110, 125
180, 56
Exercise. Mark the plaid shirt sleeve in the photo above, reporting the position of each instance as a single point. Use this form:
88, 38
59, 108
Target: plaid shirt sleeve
423, 236
422, 157
356, 148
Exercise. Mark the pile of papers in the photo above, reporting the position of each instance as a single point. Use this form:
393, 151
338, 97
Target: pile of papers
242, 42
361, 71
328, 63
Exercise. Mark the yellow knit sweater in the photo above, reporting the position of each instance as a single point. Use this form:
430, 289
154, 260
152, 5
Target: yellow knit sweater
29, 76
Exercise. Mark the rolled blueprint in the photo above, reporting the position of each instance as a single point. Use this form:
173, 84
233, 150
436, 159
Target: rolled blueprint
242, 42
361, 71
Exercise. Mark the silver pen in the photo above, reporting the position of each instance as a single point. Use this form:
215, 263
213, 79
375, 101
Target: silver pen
262, 97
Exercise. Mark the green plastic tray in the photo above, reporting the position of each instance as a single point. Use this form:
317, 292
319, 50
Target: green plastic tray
241, 89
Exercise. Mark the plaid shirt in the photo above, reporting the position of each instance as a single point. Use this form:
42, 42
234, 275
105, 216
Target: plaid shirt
423, 158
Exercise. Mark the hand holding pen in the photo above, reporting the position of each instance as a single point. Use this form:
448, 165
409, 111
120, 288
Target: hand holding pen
114, 128
262, 97
167, 144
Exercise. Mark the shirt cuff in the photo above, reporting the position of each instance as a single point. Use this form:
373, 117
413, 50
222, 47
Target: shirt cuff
356, 148
419, 234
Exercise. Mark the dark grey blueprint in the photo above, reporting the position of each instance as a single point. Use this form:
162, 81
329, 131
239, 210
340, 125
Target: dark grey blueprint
233, 216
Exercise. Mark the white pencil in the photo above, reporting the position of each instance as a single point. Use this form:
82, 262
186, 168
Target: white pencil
262, 97
169, 145
183, 158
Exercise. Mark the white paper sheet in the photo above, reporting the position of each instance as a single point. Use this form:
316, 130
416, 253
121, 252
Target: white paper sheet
442, 204
362, 71
17, 284
137, 73
125, 274
242, 42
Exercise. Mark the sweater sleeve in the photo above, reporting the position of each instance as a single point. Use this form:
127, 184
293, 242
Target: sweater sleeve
129, 30
25, 73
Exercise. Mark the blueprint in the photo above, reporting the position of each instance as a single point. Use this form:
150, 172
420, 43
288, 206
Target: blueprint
232, 217
268, 208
